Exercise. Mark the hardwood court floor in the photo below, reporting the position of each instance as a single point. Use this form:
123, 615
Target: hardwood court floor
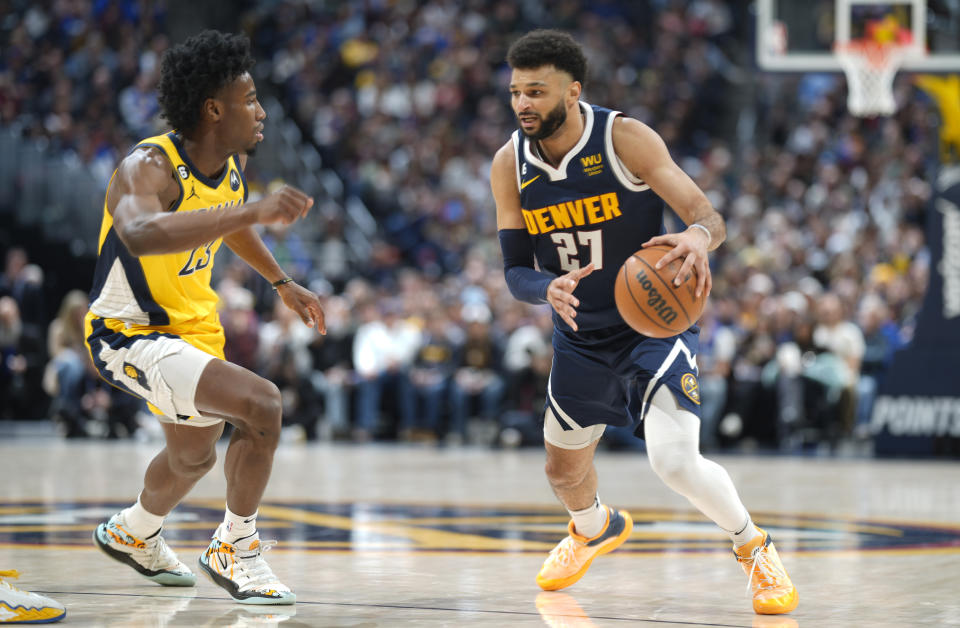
386, 536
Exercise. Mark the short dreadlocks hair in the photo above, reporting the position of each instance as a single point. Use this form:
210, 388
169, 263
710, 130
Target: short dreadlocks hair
193, 71
548, 47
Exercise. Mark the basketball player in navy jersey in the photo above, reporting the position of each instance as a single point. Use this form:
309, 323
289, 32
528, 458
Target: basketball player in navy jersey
153, 329
578, 189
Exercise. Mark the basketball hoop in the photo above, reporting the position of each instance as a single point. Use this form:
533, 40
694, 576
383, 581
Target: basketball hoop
870, 67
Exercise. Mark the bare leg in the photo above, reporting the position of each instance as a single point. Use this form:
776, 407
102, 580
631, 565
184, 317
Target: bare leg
190, 453
252, 404
574, 480
572, 475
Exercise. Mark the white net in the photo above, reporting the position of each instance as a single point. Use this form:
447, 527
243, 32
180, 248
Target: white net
870, 68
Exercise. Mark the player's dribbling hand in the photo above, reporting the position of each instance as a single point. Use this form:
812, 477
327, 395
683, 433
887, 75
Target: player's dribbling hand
305, 303
691, 246
560, 294
285, 206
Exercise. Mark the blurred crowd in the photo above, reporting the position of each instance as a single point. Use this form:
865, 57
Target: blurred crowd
818, 284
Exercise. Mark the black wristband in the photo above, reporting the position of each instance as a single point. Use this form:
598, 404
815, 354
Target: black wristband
279, 282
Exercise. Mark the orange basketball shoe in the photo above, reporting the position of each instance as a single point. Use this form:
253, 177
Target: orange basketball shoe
571, 558
773, 593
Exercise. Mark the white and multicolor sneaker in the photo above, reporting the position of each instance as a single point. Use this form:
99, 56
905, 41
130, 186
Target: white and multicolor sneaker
150, 557
23, 607
239, 568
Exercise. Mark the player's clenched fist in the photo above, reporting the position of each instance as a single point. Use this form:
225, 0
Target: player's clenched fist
285, 206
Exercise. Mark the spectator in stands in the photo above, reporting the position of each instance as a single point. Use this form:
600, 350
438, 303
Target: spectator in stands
429, 378
333, 255
478, 381
13, 364
383, 350
840, 338
240, 325
881, 340
67, 376
290, 250
24, 282
718, 346
751, 413
139, 107
23, 358
284, 358
333, 376
527, 359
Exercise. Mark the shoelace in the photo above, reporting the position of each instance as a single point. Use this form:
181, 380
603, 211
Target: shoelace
769, 573
254, 569
155, 553
160, 555
9, 573
564, 552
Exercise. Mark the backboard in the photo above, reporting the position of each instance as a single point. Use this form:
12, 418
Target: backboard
798, 35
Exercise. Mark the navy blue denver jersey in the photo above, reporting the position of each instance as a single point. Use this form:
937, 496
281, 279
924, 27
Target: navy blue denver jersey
589, 209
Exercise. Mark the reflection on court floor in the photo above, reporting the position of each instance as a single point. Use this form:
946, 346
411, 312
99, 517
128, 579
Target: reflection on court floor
393, 536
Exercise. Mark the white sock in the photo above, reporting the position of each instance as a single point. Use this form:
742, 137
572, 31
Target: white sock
745, 534
236, 527
589, 522
140, 522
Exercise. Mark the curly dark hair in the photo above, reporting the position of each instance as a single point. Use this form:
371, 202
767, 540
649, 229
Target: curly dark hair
549, 47
195, 70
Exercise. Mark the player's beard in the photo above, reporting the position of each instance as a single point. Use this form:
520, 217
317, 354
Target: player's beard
549, 125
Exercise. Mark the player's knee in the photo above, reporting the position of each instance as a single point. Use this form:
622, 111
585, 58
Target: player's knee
264, 413
675, 466
192, 463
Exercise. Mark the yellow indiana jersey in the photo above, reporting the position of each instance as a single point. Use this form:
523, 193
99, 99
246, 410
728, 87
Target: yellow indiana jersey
170, 291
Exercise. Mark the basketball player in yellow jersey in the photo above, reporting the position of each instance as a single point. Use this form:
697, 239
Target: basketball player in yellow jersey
153, 328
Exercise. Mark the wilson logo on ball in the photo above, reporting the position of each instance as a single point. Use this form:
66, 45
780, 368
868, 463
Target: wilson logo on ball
655, 300
648, 299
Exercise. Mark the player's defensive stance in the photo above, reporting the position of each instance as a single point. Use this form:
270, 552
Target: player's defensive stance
153, 330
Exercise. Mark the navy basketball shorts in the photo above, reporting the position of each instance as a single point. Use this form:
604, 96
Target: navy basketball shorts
608, 376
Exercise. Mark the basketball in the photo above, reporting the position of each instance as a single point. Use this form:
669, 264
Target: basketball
648, 300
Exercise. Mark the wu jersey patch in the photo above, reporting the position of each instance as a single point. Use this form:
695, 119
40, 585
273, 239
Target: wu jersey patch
592, 164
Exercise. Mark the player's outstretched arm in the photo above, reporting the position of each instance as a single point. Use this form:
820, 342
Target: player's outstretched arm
646, 155
146, 229
248, 245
